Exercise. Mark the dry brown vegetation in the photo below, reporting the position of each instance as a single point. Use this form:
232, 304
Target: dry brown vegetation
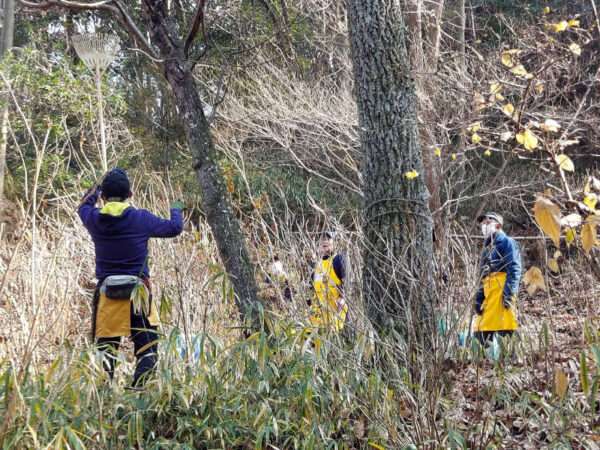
278, 389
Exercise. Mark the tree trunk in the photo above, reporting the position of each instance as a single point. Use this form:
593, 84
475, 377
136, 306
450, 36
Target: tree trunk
414, 24
462, 28
433, 29
424, 58
397, 227
8, 27
215, 200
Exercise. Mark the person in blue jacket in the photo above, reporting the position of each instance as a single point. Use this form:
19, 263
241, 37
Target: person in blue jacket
122, 300
500, 275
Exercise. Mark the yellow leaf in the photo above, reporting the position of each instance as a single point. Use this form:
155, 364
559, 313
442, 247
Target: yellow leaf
570, 236
475, 139
534, 280
561, 383
411, 175
560, 26
508, 109
475, 127
565, 163
547, 10
550, 125
230, 185
527, 139
588, 236
557, 254
258, 204
376, 446
453, 156
539, 87
590, 200
499, 97
507, 59
495, 88
547, 216
520, 71
573, 23
437, 152
575, 49
487, 152
553, 265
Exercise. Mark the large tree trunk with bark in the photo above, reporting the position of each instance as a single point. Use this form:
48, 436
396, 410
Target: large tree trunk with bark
397, 228
215, 200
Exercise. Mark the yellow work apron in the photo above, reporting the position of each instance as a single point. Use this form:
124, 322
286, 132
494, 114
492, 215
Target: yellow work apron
326, 283
495, 316
113, 317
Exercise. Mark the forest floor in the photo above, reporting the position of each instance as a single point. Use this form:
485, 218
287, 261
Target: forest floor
535, 397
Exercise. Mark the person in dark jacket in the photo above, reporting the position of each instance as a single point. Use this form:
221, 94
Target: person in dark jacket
122, 299
500, 275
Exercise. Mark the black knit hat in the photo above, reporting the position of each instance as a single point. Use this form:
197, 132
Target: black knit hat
116, 184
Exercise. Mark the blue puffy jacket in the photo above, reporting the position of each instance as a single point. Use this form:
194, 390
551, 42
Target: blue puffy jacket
501, 254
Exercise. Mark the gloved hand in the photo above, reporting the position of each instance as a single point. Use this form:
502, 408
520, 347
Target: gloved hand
507, 301
94, 191
177, 204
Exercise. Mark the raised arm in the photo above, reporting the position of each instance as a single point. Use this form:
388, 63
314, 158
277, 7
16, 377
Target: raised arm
164, 228
88, 205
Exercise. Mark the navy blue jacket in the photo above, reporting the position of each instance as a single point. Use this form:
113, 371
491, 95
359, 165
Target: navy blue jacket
501, 255
121, 242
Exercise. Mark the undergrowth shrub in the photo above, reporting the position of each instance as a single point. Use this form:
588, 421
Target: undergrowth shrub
267, 391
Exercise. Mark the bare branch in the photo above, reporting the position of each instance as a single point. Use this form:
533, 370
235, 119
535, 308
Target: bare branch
112, 6
196, 23
104, 5
134, 30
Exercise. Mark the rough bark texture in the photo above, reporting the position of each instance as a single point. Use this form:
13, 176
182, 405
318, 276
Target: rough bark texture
174, 58
8, 25
397, 259
215, 200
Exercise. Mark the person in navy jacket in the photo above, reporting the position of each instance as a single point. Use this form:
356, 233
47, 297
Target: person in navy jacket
120, 234
500, 274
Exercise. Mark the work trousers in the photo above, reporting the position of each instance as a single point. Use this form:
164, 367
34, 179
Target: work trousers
145, 345
485, 338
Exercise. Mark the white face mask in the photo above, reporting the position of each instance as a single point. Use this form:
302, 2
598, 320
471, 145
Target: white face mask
487, 229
